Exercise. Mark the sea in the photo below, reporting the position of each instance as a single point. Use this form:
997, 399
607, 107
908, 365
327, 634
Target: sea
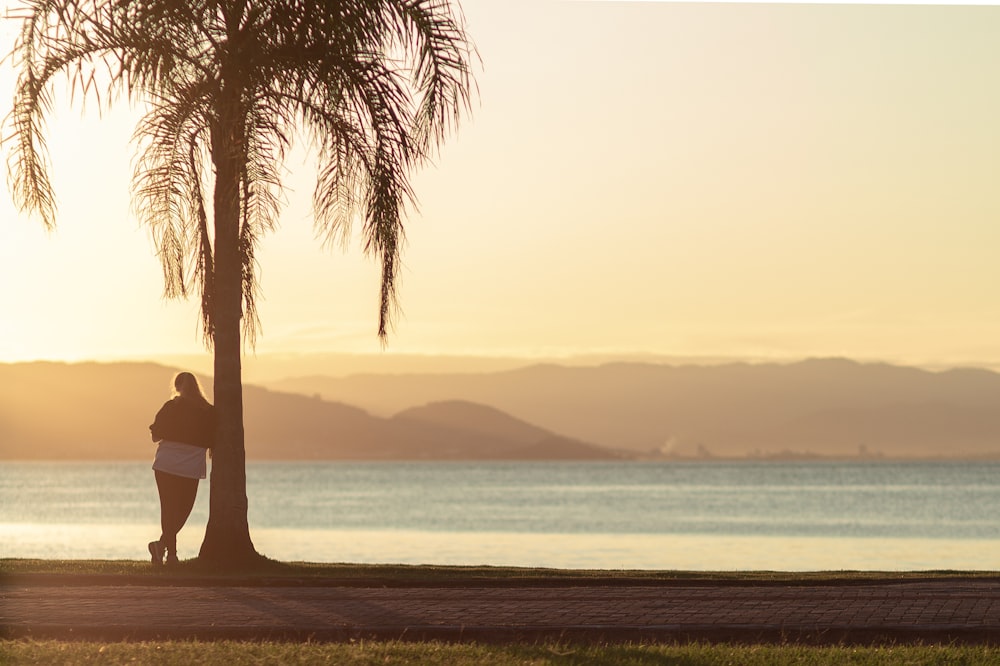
695, 516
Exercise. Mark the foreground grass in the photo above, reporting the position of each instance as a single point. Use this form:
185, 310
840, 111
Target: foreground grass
363, 653
430, 574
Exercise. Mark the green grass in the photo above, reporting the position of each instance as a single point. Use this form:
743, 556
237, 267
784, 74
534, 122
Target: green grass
52, 653
442, 575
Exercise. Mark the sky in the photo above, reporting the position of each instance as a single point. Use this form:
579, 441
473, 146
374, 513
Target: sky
703, 180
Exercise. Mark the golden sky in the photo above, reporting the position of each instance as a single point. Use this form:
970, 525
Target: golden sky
688, 179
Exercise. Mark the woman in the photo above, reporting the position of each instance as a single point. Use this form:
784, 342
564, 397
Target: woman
185, 429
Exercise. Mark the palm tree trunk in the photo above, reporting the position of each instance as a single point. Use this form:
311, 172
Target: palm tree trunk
227, 536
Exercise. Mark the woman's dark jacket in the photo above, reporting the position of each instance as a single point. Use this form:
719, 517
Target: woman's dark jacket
185, 421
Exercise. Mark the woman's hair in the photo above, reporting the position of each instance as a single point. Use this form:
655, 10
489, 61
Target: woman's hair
186, 386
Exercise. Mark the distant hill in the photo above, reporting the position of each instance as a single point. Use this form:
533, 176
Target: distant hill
472, 417
102, 411
529, 442
826, 407
79, 411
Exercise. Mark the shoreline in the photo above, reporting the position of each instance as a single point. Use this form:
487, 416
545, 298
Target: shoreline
638, 458
273, 573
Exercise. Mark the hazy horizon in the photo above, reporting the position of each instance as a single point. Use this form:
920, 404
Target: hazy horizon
721, 181
271, 367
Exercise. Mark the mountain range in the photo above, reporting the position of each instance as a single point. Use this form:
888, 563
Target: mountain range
817, 407
102, 411
814, 408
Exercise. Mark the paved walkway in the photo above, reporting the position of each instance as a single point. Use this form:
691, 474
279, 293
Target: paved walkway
926, 611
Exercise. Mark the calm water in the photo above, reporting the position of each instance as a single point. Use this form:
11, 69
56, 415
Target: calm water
786, 516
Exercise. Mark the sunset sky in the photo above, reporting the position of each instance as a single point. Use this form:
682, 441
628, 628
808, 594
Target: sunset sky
765, 181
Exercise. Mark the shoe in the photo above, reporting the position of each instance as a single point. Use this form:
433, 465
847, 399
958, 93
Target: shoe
156, 553
172, 558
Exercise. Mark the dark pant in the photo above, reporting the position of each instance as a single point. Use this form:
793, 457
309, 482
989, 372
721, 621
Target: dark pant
177, 495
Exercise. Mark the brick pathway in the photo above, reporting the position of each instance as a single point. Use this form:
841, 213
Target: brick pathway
925, 611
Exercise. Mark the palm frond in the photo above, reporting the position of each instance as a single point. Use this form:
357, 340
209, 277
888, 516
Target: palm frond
441, 52
167, 184
375, 85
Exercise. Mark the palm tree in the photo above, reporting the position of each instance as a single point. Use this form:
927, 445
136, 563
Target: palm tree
225, 85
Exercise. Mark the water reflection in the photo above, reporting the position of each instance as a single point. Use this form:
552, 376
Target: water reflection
572, 551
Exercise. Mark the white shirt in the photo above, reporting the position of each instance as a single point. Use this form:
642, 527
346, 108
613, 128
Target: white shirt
180, 459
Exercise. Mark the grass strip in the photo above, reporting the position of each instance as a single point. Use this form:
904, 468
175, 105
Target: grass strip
306, 573
230, 653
